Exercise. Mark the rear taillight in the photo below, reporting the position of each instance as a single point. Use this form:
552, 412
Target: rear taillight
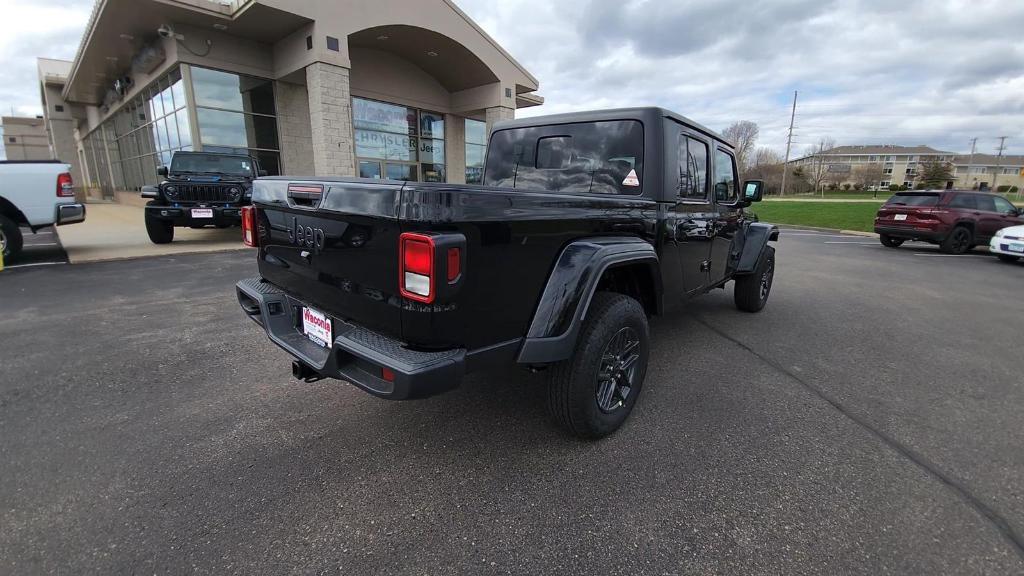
416, 267
249, 236
65, 187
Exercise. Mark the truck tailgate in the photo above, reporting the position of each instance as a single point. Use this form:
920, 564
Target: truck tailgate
334, 246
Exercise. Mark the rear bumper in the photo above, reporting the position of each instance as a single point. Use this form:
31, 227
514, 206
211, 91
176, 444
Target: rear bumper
356, 355
182, 215
70, 214
908, 233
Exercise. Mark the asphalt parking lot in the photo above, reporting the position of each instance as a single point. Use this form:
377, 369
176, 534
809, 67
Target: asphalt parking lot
42, 249
868, 422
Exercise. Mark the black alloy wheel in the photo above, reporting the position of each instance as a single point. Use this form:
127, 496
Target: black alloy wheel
618, 372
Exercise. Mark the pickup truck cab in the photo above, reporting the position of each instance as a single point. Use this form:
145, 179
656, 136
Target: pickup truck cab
585, 225
199, 189
35, 194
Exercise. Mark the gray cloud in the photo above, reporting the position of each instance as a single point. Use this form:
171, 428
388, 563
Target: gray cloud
869, 71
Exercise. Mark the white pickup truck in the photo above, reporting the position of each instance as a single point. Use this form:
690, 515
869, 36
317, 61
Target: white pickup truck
35, 194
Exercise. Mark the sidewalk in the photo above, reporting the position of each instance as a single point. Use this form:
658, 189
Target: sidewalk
118, 231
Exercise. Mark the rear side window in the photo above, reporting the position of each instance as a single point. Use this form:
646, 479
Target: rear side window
585, 157
693, 169
913, 199
963, 201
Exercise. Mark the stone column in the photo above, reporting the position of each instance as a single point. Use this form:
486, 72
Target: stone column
497, 114
455, 148
294, 129
330, 117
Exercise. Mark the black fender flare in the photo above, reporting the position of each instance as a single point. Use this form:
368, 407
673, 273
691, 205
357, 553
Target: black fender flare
755, 237
563, 305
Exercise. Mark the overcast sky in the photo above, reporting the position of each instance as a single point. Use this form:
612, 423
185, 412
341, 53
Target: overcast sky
936, 72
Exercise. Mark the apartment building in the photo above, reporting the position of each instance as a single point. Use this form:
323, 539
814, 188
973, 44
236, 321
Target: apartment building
900, 166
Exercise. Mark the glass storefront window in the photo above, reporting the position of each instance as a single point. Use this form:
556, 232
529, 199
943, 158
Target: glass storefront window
403, 172
216, 89
369, 169
476, 150
411, 141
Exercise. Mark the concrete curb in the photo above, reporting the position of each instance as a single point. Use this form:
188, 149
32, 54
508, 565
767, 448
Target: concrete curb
838, 231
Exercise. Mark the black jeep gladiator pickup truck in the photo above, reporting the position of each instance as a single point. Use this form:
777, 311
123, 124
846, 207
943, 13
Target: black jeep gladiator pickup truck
199, 189
585, 225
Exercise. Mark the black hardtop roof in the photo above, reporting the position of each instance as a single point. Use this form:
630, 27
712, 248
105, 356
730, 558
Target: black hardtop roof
647, 113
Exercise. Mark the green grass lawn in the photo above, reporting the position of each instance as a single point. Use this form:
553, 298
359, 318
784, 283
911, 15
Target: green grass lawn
882, 196
838, 215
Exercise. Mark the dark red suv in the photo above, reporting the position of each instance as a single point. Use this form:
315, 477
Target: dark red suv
956, 220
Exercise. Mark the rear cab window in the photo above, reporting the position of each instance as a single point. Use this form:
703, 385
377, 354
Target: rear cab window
587, 157
914, 199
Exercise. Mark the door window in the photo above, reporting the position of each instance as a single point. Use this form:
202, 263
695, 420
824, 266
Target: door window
725, 177
985, 203
693, 169
1003, 205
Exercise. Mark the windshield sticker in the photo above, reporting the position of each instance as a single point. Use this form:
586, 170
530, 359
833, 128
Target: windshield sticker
631, 179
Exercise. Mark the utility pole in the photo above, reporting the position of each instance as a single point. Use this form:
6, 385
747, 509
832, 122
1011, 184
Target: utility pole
999, 162
789, 144
970, 163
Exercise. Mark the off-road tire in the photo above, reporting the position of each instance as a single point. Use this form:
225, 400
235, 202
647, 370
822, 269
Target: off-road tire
12, 239
958, 241
752, 290
889, 241
1007, 257
160, 231
573, 384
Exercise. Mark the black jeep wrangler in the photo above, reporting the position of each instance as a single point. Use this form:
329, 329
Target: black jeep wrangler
199, 189
586, 224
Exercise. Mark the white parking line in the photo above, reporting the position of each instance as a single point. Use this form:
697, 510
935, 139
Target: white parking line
953, 255
6, 267
41, 244
852, 242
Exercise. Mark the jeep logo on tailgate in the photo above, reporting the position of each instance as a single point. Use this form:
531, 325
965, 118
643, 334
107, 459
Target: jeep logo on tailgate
306, 236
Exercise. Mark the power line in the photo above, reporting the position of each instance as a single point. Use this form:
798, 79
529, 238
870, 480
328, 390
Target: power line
999, 161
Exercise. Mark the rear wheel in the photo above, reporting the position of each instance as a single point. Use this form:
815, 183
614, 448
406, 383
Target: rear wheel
10, 237
890, 242
752, 290
958, 241
1007, 257
160, 231
592, 393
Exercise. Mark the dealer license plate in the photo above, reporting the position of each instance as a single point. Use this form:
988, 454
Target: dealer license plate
1016, 248
316, 326
900, 217
202, 212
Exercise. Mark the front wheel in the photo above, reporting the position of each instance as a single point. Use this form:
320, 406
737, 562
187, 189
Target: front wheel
958, 241
1007, 257
592, 393
160, 231
889, 241
752, 290
10, 237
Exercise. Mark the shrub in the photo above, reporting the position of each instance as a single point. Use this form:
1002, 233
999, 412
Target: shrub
847, 187
1014, 189
895, 188
1003, 189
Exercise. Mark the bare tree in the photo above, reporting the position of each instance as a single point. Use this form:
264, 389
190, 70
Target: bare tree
817, 168
869, 175
743, 135
767, 166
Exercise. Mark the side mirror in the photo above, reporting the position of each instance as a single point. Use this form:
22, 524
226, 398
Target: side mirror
161, 171
261, 173
753, 190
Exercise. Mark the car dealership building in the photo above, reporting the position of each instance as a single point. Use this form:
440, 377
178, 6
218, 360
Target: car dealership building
400, 89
